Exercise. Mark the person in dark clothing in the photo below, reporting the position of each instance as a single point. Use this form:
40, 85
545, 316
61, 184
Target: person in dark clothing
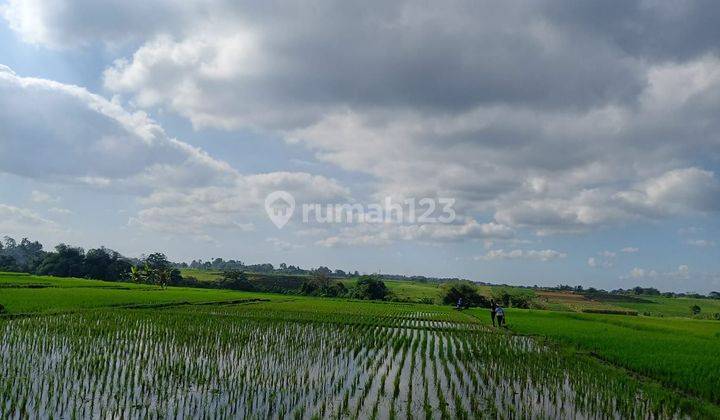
492, 311
500, 316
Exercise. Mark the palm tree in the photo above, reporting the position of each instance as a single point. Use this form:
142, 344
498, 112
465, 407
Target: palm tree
163, 276
135, 274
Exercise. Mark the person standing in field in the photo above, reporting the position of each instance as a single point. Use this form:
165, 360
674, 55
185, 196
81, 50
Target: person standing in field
500, 315
493, 306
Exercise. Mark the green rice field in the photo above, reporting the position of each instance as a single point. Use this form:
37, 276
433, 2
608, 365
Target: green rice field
680, 353
134, 351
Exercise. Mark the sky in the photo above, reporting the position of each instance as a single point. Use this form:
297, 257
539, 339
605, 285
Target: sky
578, 141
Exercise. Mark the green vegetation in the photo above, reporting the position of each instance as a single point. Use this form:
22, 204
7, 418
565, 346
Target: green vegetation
462, 293
24, 294
679, 353
302, 357
406, 290
675, 306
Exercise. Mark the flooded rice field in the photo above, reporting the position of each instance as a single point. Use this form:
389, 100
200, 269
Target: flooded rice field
241, 362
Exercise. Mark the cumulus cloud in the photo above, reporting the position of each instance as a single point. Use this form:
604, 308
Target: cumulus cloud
609, 126
16, 220
601, 262
681, 278
681, 273
65, 134
388, 233
678, 191
58, 132
606, 259
550, 169
194, 210
42, 197
519, 254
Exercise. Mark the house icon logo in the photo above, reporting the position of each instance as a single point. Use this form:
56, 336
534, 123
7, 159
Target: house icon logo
279, 206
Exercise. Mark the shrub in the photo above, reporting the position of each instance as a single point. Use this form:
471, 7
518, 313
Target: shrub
370, 287
2, 309
695, 310
451, 292
610, 311
320, 284
717, 316
517, 298
236, 280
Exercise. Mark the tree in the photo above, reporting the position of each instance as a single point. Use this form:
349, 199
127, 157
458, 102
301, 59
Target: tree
158, 270
27, 255
7, 263
136, 274
118, 270
451, 292
97, 262
715, 295
66, 261
370, 287
164, 277
517, 298
501, 296
695, 309
157, 261
236, 280
324, 270
320, 284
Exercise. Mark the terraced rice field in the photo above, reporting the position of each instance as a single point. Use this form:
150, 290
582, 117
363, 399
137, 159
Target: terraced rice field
287, 359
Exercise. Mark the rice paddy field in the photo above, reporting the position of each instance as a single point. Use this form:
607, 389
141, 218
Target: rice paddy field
277, 356
680, 353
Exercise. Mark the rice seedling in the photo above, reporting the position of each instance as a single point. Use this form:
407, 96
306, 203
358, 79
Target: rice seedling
273, 361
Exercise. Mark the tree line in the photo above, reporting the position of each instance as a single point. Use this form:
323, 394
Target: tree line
100, 263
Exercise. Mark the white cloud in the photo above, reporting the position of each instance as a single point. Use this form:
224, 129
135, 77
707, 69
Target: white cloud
622, 135
229, 207
65, 134
701, 243
572, 146
387, 233
601, 261
282, 245
517, 254
549, 168
606, 259
43, 197
682, 278
16, 220
59, 211
677, 191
